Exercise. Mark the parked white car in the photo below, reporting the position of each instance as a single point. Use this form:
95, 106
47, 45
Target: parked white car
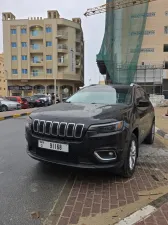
7, 105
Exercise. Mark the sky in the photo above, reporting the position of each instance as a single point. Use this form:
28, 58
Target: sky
93, 26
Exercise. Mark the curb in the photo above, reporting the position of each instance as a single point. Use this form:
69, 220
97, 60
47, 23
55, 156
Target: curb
163, 136
14, 116
144, 212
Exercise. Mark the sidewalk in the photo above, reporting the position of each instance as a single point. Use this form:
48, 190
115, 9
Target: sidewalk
161, 121
16, 113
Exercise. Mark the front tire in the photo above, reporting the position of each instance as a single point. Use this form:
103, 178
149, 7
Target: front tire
130, 161
151, 136
4, 108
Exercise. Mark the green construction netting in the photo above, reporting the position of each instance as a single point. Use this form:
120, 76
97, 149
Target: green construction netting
122, 42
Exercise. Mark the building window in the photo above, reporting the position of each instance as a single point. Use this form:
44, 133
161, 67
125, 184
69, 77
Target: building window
13, 31
35, 46
23, 31
14, 57
166, 13
48, 57
48, 43
36, 32
48, 30
13, 44
24, 44
140, 15
146, 32
24, 71
24, 57
35, 73
49, 71
166, 29
166, 65
14, 71
165, 48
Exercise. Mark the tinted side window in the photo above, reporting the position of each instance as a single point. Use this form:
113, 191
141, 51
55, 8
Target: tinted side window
13, 99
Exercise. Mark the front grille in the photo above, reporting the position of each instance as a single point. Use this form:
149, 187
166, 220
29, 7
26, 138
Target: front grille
58, 129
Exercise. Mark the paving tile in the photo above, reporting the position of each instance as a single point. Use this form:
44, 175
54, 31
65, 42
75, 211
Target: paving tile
93, 194
63, 221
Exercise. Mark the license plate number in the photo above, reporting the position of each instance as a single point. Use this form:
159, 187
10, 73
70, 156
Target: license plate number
53, 146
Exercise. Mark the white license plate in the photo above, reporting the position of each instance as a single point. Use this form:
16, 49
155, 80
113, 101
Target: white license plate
53, 146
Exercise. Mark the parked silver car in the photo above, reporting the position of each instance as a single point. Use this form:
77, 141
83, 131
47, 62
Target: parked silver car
7, 105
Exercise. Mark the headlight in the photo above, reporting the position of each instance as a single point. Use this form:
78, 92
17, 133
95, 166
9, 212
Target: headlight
107, 128
29, 123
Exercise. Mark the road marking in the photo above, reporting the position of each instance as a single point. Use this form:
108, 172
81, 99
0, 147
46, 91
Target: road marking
137, 216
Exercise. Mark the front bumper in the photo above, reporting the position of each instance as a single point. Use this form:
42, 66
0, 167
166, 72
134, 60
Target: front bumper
82, 153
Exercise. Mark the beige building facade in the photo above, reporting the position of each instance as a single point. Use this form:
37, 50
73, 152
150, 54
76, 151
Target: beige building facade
3, 89
153, 60
37, 51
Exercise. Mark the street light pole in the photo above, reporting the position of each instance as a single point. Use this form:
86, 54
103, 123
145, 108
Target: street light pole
55, 78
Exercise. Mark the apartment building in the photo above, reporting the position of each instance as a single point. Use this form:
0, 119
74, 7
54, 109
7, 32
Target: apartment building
153, 60
39, 51
2, 77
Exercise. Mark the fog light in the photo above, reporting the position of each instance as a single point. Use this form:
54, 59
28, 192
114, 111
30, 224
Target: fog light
105, 155
111, 153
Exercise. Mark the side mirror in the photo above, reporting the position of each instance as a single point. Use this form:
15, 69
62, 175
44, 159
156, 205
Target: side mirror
143, 103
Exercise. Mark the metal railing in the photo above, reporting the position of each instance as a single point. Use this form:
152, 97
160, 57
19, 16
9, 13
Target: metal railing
62, 47
37, 74
78, 37
36, 47
78, 50
62, 61
62, 33
36, 61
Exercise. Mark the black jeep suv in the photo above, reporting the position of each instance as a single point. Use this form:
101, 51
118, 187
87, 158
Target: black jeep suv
99, 127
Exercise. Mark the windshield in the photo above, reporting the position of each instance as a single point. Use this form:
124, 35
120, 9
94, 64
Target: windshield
105, 95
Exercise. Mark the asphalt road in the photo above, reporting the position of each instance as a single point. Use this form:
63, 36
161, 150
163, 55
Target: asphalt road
26, 185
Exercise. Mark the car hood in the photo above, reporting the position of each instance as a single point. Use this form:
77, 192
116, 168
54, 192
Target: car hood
81, 113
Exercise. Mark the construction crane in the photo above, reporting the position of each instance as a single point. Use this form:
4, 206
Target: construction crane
114, 5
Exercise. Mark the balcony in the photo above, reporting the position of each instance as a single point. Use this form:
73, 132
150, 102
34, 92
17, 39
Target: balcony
62, 48
78, 64
78, 38
67, 76
37, 62
36, 34
62, 34
37, 75
62, 62
78, 51
36, 48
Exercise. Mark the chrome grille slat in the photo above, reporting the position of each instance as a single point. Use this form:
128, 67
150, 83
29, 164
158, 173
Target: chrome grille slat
36, 125
71, 134
41, 126
62, 127
48, 127
78, 126
58, 129
55, 129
